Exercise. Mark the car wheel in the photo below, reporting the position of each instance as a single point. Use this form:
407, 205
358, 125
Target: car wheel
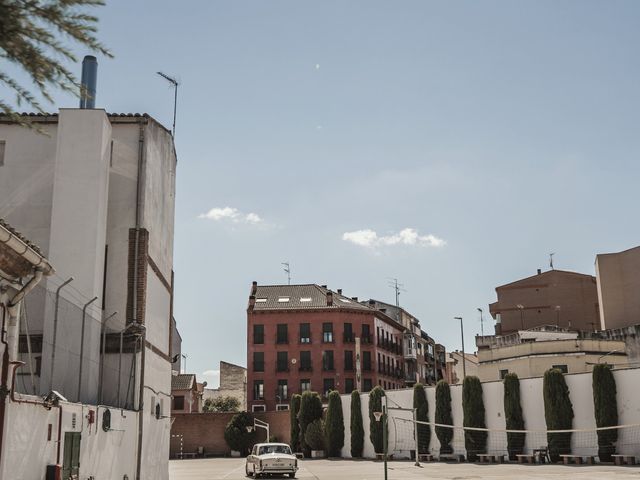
292, 475
246, 470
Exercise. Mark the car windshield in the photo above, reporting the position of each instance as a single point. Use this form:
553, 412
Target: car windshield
274, 449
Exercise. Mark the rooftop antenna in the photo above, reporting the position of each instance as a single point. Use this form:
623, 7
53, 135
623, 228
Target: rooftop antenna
175, 84
398, 288
287, 270
551, 260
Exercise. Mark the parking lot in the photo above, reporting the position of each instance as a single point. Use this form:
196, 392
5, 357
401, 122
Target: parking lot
233, 468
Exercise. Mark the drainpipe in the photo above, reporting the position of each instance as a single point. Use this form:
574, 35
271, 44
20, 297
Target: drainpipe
4, 390
120, 360
143, 350
55, 330
84, 319
103, 334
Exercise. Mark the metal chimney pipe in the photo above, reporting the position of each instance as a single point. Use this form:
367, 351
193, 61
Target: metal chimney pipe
88, 82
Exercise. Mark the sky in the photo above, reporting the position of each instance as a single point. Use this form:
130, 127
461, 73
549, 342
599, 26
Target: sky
451, 145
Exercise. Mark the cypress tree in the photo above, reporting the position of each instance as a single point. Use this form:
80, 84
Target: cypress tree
475, 441
443, 416
422, 415
606, 410
513, 415
334, 425
310, 410
357, 430
375, 427
558, 413
294, 409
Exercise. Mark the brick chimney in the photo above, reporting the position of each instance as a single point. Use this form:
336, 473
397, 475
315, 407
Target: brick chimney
539, 272
329, 298
339, 291
254, 288
252, 301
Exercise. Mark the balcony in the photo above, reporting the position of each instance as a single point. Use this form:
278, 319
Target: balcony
349, 338
282, 368
410, 377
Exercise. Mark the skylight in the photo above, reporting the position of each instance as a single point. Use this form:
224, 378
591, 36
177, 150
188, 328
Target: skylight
261, 300
283, 299
344, 300
305, 299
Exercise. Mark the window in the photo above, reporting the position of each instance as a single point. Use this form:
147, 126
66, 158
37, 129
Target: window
384, 384
283, 334
261, 300
258, 361
258, 408
379, 363
178, 402
327, 360
327, 386
282, 362
305, 385
348, 360
367, 385
305, 299
258, 334
327, 332
366, 361
348, 333
283, 390
305, 361
562, 368
2, 148
305, 333
283, 407
283, 299
366, 334
258, 390
348, 385
503, 373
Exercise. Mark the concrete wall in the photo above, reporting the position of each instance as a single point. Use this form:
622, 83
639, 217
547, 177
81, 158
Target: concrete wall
618, 277
207, 430
401, 432
233, 383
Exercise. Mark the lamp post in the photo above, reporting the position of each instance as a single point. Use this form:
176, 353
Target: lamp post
481, 323
382, 417
521, 308
259, 424
609, 353
464, 358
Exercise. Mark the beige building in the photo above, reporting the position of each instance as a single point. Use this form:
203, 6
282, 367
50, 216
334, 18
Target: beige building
618, 281
555, 297
233, 383
455, 368
530, 353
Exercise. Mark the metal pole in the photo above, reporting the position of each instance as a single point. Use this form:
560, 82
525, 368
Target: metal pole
55, 331
384, 435
120, 366
104, 340
464, 358
175, 107
415, 434
84, 318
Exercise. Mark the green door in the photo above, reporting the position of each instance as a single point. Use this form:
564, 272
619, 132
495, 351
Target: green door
71, 461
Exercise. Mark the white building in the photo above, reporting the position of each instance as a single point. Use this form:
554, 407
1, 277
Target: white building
96, 192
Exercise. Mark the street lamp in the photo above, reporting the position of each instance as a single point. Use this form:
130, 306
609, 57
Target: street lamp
609, 353
379, 416
521, 308
258, 424
481, 322
464, 358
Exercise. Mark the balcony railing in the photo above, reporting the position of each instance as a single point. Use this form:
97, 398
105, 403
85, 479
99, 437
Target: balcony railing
410, 377
304, 368
282, 368
349, 338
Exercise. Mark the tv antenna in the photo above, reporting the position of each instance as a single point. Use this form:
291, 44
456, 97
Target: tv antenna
287, 270
398, 287
551, 260
175, 84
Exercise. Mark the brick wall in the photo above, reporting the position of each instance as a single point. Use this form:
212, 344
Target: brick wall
207, 430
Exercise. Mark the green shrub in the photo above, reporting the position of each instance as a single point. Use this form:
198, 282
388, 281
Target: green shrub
513, 415
606, 410
443, 416
422, 415
558, 413
294, 409
475, 441
357, 430
236, 435
375, 428
310, 410
334, 425
221, 404
314, 435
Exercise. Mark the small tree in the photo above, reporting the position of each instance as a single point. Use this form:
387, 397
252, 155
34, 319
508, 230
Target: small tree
422, 415
310, 410
236, 435
606, 410
314, 435
221, 404
443, 416
475, 441
357, 430
375, 427
513, 415
294, 409
558, 413
334, 425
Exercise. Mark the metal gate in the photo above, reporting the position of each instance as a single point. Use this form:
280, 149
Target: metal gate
71, 460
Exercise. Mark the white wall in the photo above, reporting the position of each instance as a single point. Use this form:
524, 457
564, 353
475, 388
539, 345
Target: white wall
581, 394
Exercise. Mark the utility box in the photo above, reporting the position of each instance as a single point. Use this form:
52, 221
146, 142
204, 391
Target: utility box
53, 472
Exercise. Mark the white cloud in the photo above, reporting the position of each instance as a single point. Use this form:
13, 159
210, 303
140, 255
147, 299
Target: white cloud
407, 236
231, 214
212, 377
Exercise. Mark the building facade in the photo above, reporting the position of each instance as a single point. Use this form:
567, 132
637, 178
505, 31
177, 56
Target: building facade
618, 277
308, 337
187, 397
233, 383
555, 297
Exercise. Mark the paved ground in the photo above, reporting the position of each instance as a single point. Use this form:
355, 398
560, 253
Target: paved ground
233, 468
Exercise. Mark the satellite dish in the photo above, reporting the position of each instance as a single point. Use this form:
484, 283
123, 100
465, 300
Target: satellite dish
293, 361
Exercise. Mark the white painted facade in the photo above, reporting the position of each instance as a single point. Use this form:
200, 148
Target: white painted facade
78, 192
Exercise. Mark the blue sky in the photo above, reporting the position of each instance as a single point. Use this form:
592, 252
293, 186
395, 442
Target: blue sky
506, 130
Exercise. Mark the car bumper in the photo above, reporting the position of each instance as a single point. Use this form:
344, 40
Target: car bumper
277, 470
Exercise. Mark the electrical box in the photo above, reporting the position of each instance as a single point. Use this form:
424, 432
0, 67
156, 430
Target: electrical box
53, 472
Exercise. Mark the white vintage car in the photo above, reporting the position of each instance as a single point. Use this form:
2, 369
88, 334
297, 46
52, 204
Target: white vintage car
271, 459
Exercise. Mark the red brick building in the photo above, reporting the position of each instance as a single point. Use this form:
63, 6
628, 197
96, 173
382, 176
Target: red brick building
307, 337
